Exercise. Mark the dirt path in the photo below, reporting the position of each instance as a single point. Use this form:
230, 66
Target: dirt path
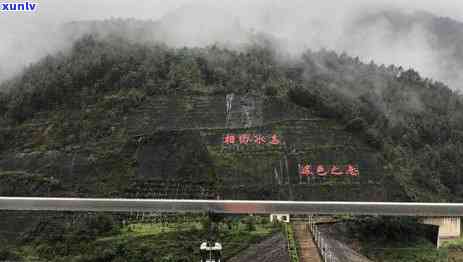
308, 251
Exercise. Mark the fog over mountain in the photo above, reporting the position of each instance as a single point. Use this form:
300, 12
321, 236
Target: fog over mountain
406, 33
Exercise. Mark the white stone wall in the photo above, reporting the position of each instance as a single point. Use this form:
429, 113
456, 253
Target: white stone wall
449, 227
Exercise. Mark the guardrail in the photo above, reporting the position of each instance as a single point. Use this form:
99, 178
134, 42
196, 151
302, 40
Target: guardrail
232, 206
326, 252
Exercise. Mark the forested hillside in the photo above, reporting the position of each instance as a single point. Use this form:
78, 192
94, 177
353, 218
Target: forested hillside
113, 117
77, 107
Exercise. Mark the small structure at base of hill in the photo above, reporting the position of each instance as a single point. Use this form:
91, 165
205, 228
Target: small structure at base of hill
211, 251
449, 227
279, 218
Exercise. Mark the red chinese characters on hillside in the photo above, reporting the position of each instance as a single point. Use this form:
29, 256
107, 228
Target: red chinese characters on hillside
325, 170
245, 139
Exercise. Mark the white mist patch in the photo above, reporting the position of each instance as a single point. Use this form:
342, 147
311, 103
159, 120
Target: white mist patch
295, 24
378, 42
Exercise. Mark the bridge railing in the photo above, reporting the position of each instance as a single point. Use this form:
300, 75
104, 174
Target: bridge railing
327, 252
233, 206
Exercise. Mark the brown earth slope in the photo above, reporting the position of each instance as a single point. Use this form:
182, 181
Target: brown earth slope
273, 249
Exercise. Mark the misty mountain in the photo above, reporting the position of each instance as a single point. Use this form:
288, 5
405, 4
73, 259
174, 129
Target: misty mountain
116, 118
206, 103
430, 44
143, 112
195, 25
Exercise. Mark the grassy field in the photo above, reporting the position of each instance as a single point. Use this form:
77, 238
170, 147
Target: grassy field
454, 249
144, 241
418, 252
391, 239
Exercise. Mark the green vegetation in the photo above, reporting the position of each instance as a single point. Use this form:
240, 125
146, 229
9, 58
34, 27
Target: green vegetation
393, 239
455, 243
454, 249
292, 244
415, 123
100, 238
98, 120
417, 253
23, 183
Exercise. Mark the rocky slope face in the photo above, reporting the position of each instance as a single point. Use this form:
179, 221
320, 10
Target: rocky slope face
117, 119
173, 147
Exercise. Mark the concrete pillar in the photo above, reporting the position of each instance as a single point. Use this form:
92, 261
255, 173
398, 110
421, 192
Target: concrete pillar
449, 227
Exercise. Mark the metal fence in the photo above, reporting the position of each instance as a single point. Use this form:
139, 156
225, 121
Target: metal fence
326, 251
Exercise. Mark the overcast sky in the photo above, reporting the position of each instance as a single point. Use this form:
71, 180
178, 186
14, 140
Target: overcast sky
59, 10
27, 37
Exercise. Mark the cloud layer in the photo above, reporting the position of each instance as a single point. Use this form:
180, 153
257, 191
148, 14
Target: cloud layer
298, 24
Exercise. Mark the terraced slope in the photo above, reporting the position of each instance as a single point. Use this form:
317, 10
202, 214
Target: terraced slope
173, 147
